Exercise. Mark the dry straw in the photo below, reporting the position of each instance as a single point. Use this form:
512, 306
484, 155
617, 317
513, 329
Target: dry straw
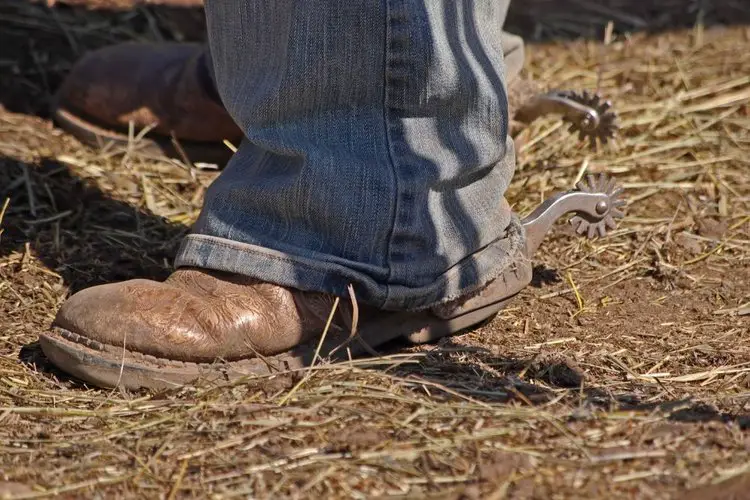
622, 373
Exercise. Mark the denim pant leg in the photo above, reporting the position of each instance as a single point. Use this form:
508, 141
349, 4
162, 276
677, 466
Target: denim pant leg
376, 153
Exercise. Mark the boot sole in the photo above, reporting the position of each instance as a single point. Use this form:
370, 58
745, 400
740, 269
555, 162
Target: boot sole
110, 366
98, 136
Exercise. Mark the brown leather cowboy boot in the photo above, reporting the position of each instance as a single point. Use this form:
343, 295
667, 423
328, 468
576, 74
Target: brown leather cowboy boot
212, 325
166, 87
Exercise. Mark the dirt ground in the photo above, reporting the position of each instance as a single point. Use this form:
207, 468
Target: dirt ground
623, 372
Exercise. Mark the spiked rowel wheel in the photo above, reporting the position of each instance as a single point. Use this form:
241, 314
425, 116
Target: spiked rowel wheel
596, 203
598, 125
607, 212
587, 113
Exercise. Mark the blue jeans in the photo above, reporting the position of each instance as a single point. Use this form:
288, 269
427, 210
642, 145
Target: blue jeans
377, 151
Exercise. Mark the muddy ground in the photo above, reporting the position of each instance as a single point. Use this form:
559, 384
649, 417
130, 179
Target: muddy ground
624, 371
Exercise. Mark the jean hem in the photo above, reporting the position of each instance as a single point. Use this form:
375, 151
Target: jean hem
221, 254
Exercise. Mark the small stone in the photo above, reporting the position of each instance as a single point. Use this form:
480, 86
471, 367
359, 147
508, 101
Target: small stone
712, 228
690, 245
10, 489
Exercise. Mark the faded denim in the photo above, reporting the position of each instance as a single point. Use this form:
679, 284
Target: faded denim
377, 149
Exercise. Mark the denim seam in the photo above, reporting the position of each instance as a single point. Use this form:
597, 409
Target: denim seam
389, 144
513, 256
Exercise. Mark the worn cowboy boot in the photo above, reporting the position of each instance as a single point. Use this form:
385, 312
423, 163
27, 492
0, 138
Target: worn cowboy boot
203, 324
167, 88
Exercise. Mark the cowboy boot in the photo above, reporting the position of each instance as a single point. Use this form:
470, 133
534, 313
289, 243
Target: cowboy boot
164, 88
202, 324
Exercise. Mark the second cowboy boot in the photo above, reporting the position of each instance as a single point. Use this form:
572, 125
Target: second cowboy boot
166, 88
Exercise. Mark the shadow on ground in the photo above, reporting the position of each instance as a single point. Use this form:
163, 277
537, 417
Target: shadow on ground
484, 376
78, 231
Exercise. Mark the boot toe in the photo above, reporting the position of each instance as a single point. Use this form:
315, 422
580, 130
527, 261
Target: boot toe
143, 316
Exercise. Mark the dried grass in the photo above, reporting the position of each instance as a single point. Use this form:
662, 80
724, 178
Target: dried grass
633, 382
